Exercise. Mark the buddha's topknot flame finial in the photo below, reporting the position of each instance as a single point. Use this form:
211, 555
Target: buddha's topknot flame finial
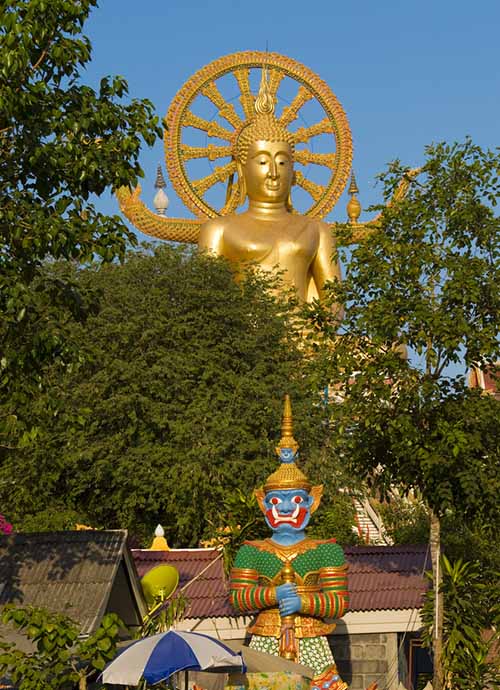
264, 103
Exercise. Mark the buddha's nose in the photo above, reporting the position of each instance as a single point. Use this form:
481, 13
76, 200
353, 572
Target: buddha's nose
273, 170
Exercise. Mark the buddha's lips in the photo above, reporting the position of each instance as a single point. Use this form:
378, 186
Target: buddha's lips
273, 186
295, 519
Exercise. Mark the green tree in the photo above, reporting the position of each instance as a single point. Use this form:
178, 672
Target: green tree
471, 619
176, 404
61, 144
60, 659
426, 280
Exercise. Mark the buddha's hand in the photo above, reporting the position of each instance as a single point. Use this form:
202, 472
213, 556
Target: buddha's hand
289, 589
289, 605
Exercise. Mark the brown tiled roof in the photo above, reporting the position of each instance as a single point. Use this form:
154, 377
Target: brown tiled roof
380, 577
66, 572
387, 577
201, 578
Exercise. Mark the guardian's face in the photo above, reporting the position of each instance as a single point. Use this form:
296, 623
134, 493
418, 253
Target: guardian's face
268, 171
288, 510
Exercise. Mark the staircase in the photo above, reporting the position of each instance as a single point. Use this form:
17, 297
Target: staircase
369, 525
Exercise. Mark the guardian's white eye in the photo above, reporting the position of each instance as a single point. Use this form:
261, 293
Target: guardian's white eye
275, 500
297, 499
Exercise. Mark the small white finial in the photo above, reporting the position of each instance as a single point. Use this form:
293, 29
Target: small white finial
161, 199
159, 531
160, 202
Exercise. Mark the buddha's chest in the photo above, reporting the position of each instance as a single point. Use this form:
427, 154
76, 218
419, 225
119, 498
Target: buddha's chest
271, 243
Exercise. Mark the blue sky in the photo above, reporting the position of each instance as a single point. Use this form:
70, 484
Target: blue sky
406, 73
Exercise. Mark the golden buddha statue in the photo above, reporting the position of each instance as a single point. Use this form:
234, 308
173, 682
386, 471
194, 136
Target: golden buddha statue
260, 150
268, 234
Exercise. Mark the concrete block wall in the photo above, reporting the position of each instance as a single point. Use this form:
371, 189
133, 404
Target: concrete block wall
367, 657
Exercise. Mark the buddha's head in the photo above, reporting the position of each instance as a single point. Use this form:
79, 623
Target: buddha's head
263, 151
288, 499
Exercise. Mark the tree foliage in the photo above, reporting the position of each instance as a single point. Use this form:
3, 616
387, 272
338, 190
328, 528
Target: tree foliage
61, 143
426, 280
176, 403
470, 613
60, 659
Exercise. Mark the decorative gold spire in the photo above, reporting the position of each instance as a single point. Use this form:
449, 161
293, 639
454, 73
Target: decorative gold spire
287, 440
288, 475
353, 206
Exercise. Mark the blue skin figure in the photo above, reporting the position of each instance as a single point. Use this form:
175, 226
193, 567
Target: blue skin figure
287, 514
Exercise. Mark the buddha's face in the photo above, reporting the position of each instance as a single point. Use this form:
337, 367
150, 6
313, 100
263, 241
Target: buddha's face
268, 171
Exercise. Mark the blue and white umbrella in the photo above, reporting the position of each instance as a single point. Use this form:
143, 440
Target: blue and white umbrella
157, 657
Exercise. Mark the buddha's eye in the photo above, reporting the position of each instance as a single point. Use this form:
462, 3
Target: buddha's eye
263, 162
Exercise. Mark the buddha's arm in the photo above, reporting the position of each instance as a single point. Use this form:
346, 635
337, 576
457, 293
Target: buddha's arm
324, 266
150, 223
211, 237
246, 594
333, 599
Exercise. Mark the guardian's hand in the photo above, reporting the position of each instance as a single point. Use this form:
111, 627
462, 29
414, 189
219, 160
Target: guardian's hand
289, 589
290, 605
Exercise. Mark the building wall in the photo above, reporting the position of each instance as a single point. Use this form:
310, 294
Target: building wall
367, 657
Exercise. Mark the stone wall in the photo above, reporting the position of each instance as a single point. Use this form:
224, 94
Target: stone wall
364, 658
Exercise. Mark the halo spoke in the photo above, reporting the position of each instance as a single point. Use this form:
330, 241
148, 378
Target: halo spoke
220, 174
213, 129
289, 113
275, 78
211, 152
315, 190
304, 156
226, 110
303, 134
246, 99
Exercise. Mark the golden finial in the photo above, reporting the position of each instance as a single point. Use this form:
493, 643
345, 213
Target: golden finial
159, 542
353, 187
287, 439
264, 103
353, 206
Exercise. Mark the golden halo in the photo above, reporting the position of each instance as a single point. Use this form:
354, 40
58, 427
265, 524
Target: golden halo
203, 82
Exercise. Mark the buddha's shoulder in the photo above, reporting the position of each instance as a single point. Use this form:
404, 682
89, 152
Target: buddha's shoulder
217, 223
296, 219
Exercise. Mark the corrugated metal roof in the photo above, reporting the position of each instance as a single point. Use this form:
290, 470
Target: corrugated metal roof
380, 577
66, 572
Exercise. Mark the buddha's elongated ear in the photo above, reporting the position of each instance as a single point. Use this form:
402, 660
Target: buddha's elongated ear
259, 495
316, 492
288, 203
242, 188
